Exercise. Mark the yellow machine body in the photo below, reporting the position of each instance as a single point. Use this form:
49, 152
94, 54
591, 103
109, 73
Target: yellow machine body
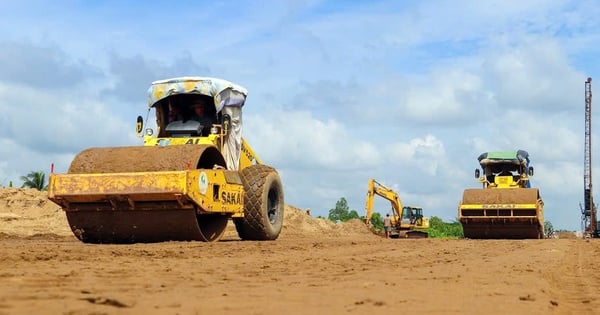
218, 191
407, 222
506, 207
176, 186
413, 219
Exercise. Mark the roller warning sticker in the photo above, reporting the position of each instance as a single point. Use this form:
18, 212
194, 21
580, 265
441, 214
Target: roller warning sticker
203, 183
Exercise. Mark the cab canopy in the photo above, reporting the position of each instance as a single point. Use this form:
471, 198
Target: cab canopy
520, 157
228, 99
223, 92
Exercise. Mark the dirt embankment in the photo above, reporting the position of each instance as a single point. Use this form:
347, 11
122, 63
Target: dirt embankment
28, 212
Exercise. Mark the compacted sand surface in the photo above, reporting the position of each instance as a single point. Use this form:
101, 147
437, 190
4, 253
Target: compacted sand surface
315, 267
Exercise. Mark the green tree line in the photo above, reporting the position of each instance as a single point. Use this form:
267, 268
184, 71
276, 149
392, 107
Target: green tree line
440, 229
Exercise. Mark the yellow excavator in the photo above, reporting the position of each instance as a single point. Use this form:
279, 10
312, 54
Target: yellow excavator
407, 221
184, 184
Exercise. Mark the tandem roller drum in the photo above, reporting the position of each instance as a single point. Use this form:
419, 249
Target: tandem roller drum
501, 213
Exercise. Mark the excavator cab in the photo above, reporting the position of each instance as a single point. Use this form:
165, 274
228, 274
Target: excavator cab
412, 215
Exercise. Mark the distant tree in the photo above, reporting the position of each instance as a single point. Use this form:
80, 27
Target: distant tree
36, 180
377, 221
352, 215
548, 229
341, 212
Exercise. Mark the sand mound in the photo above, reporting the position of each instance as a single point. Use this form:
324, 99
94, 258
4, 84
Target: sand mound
28, 212
567, 235
297, 223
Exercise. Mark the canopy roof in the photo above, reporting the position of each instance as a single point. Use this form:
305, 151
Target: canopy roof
223, 92
519, 157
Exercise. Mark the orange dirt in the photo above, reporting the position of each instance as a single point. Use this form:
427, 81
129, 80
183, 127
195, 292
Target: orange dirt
314, 267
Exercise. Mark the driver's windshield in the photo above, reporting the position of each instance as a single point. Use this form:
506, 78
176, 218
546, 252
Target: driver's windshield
408, 213
504, 169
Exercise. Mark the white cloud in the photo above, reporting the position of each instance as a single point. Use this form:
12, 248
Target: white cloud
295, 138
533, 73
447, 97
407, 93
53, 122
420, 152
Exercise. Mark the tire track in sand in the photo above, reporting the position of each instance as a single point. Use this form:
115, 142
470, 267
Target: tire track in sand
575, 281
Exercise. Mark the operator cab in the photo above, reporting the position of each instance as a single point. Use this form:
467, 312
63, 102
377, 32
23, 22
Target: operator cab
176, 114
504, 169
411, 215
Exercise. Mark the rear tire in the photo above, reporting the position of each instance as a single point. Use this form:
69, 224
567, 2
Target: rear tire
263, 204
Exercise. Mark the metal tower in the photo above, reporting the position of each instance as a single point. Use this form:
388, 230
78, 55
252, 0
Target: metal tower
588, 212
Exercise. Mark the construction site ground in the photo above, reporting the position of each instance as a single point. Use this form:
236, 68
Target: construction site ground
315, 267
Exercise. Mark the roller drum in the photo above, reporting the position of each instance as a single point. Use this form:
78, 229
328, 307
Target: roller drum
145, 159
514, 213
153, 220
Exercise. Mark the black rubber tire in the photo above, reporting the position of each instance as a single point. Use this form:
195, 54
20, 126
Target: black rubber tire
263, 204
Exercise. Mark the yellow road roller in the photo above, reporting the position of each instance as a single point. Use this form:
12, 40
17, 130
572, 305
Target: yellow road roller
192, 174
506, 207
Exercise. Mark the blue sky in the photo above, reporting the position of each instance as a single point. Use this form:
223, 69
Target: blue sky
408, 93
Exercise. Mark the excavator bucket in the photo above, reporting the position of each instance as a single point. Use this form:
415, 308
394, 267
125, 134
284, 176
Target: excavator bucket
146, 194
514, 213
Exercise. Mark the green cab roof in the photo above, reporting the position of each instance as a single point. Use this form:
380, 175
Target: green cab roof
519, 157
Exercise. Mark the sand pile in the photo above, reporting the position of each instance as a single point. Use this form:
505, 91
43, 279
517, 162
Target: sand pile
27, 212
297, 223
568, 235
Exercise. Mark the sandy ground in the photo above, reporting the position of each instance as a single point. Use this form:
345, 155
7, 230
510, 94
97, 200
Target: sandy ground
315, 267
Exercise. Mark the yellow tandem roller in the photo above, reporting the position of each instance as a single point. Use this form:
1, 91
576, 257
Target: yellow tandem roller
501, 213
506, 207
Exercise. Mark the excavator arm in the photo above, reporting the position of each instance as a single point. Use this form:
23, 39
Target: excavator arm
377, 188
